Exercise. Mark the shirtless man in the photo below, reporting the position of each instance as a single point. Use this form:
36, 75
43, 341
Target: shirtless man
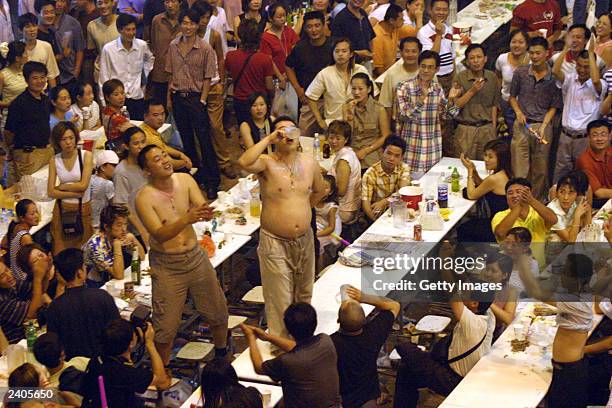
168, 206
290, 182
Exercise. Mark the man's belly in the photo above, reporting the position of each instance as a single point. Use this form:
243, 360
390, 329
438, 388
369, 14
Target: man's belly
288, 219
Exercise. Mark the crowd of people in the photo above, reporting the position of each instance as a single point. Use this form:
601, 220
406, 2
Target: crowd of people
87, 86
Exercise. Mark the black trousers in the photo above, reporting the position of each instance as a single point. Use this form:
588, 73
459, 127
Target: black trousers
159, 90
570, 385
192, 122
417, 370
135, 108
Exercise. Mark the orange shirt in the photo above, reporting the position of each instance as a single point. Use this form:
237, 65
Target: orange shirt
385, 45
597, 168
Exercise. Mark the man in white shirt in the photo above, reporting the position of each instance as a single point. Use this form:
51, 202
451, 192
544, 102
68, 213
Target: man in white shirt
578, 36
128, 59
583, 92
218, 22
410, 48
471, 339
37, 50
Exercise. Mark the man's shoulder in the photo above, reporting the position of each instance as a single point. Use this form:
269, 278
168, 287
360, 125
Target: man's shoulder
157, 19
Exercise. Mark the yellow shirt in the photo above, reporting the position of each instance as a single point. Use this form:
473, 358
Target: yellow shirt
385, 46
153, 137
535, 224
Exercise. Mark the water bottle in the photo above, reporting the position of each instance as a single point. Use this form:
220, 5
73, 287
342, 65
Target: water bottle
135, 267
316, 148
455, 181
31, 335
124, 112
452, 12
442, 192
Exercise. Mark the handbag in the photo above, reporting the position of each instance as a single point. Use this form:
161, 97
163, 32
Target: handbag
72, 220
439, 352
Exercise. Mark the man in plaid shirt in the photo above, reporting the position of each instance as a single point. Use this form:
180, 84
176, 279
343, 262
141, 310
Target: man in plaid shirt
419, 114
384, 178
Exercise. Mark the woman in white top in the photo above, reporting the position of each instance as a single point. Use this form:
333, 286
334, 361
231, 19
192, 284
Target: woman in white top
86, 109
346, 169
333, 83
572, 209
505, 66
73, 168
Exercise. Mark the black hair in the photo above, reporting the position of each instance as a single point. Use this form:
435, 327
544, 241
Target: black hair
60, 129
597, 124
439, 1
54, 94
409, 40
484, 299
337, 41
48, 350
123, 20
502, 151
579, 266
365, 78
79, 89
21, 209
394, 141
110, 213
584, 54
429, 54
26, 20
517, 180
34, 67
272, 9
570, 181
505, 265
130, 132
249, 34
541, 41
300, 320
116, 337
24, 376
245, 6
314, 15
152, 102
217, 379
39, 4
333, 189
474, 46
110, 86
23, 257
283, 118
582, 181
142, 156
587, 32
558, 45
521, 234
254, 96
193, 14
203, 8
15, 49
522, 32
68, 262
342, 128
393, 12
244, 397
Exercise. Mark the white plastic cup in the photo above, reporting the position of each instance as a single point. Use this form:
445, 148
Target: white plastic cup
519, 331
343, 293
266, 398
544, 31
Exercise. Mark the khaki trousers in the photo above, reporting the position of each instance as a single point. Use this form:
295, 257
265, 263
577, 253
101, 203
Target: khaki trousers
215, 104
30, 162
308, 123
530, 157
287, 274
471, 140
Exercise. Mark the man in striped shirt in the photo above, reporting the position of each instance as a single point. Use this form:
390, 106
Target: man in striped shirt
20, 300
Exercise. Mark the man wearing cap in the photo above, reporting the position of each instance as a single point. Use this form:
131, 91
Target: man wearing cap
101, 184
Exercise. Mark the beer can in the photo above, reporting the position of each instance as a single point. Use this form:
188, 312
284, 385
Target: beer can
418, 232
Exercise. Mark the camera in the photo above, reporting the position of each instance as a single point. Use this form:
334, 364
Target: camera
140, 316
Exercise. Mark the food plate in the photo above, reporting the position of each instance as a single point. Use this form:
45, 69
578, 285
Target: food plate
433, 324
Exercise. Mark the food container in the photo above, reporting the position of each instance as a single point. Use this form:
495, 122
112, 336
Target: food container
464, 30
411, 196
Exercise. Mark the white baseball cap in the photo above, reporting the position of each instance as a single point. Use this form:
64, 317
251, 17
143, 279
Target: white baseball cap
106, 156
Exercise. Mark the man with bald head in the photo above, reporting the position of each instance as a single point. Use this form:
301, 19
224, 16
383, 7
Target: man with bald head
357, 344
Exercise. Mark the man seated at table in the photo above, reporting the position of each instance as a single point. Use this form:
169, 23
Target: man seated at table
525, 211
442, 369
596, 161
121, 378
154, 118
20, 300
307, 369
49, 352
384, 178
81, 313
357, 344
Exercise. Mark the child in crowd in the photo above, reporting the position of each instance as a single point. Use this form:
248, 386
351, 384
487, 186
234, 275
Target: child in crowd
60, 107
85, 108
101, 184
328, 221
113, 119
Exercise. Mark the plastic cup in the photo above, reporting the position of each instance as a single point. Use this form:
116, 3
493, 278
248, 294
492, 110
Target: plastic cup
292, 132
519, 331
544, 31
88, 145
343, 293
266, 398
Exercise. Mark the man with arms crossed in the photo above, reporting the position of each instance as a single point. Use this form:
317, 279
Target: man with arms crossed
168, 206
290, 182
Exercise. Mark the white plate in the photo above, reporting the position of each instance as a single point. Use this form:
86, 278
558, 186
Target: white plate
433, 324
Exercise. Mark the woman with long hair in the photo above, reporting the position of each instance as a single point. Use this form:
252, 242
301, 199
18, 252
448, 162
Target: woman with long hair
218, 381
12, 82
364, 113
259, 124
490, 191
18, 234
71, 222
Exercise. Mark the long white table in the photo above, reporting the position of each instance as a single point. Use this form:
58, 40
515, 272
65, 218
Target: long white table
326, 289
